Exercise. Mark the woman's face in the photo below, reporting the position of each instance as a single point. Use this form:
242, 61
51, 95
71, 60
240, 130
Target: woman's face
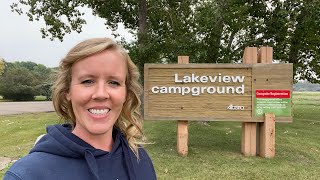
97, 93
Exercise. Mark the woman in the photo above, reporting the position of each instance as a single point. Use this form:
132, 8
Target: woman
97, 92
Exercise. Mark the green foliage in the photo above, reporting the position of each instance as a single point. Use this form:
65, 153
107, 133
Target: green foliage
207, 31
21, 81
18, 84
2, 66
46, 90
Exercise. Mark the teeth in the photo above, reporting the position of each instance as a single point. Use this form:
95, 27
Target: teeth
99, 111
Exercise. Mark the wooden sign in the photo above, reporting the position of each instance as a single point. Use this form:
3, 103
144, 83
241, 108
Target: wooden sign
216, 92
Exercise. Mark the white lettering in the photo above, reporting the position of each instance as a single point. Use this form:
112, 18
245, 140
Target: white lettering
185, 90
213, 79
195, 91
220, 90
174, 90
211, 90
237, 78
163, 90
230, 88
204, 79
219, 77
202, 89
226, 79
240, 89
194, 78
155, 89
235, 108
176, 79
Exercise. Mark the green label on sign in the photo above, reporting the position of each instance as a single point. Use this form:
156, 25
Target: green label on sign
280, 107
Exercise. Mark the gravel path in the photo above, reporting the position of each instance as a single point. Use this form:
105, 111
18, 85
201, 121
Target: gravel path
7, 108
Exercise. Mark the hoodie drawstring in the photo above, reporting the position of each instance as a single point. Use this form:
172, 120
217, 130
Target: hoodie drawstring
92, 163
128, 159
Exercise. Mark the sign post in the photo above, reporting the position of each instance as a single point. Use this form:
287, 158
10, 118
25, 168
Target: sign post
249, 129
267, 136
182, 125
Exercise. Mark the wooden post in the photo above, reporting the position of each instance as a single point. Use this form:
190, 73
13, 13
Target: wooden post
182, 125
267, 128
248, 142
267, 136
265, 55
248, 137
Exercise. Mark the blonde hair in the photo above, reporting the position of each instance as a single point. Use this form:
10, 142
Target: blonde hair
130, 119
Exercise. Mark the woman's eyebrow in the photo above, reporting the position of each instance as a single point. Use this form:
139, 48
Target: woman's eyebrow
115, 77
84, 76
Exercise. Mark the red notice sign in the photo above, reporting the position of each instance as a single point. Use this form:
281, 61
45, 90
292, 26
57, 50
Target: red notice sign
272, 93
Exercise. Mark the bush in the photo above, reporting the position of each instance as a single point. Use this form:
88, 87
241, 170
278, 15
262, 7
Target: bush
21, 81
18, 84
19, 93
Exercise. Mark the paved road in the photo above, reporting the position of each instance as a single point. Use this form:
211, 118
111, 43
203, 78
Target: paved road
25, 107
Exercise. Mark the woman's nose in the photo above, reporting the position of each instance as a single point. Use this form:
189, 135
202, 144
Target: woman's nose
101, 91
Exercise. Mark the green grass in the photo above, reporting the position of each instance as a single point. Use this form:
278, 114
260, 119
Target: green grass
19, 132
214, 148
40, 98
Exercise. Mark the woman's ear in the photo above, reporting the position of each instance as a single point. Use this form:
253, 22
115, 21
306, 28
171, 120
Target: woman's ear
67, 94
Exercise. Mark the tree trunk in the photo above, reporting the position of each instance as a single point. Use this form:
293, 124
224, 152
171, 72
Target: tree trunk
142, 32
142, 22
296, 42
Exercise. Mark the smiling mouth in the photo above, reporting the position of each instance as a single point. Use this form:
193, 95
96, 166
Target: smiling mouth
99, 111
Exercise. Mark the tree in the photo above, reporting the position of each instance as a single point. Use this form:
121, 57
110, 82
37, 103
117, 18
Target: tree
290, 27
18, 84
2, 66
208, 31
21, 81
45, 89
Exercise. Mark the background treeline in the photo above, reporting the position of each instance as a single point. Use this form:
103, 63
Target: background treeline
210, 31
22, 81
306, 86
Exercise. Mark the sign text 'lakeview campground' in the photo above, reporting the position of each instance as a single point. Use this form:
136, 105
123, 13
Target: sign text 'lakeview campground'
217, 92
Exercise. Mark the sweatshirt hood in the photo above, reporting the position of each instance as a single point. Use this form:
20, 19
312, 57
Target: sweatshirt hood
61, 142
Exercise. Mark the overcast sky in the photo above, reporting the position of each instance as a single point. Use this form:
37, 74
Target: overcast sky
20, 39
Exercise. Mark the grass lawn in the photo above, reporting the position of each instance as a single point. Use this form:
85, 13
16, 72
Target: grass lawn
40, 98
214, 148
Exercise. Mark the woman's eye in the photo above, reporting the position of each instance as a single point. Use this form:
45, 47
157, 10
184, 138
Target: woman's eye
87, 82
114, 83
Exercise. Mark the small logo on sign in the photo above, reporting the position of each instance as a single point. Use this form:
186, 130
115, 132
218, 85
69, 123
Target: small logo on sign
235, 108
259, 111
